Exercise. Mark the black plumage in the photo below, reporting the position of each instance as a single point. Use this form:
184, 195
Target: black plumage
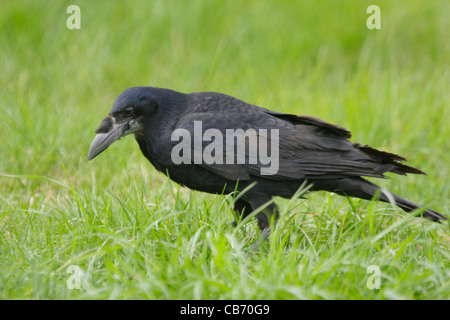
309, 149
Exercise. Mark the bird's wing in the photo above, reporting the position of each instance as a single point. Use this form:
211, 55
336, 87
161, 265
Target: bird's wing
307, 147
318, 123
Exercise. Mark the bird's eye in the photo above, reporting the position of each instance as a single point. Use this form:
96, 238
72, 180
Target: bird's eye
128, 111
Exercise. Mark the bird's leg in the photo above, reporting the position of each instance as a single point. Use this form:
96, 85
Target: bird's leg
264, 235
264, 219
242, 209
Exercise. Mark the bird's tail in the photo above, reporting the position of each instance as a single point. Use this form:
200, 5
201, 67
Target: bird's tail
361, 188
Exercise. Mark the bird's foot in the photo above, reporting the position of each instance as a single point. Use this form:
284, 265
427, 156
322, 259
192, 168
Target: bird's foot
264, 235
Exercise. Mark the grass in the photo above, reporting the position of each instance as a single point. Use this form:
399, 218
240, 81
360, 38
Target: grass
133, 234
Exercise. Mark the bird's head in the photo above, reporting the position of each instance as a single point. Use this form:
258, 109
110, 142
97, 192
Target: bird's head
127, 115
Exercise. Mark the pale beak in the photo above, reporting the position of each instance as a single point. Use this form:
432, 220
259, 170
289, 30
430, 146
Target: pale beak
104, 140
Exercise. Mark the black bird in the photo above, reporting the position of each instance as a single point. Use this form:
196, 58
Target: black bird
185, 136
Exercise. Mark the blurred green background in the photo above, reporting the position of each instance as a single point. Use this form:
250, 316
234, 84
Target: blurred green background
390, 87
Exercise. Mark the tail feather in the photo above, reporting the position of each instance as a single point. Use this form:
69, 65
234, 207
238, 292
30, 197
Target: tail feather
409, 206
361, 188
386, 158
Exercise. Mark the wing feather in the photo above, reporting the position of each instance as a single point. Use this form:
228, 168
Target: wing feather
308, 147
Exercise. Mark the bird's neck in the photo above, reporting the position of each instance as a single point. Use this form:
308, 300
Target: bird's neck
156, 134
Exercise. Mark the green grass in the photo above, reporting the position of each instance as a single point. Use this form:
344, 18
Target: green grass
135, 234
